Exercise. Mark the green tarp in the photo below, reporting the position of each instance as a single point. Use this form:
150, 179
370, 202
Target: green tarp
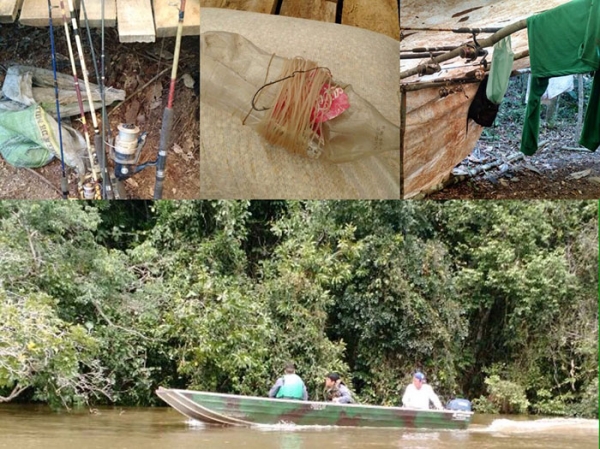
563, 41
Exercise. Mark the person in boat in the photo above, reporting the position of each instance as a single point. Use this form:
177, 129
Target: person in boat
289, 386
419, 394
336, 390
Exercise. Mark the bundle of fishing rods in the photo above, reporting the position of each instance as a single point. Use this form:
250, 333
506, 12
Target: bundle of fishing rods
125, 149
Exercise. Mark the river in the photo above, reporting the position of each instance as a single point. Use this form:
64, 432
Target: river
36, 427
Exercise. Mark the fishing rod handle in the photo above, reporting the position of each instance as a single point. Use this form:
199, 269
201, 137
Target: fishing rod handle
165, 135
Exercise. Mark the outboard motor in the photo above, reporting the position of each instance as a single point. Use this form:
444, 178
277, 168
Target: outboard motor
461, 405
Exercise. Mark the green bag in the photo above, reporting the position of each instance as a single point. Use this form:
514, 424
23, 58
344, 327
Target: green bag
23, 142
29, 138
502, 62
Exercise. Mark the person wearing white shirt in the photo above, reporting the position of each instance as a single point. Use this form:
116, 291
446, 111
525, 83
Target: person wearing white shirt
418, 395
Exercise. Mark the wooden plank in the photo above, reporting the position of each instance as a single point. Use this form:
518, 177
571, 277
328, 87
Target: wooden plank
166, 17
8, 10
375, 15
94, 13
35, 12
308, 9
330, 8
264, 6
135, 21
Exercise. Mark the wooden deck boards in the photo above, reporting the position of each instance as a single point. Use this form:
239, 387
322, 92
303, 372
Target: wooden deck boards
35, 12
94, 13
380, 16
262, 6
9, 10
309, 9
135, 21
166, 17
376, 15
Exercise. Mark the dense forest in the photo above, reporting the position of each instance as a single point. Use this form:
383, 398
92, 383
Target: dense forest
102, 302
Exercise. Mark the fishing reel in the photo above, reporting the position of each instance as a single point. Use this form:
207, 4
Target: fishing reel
126, 151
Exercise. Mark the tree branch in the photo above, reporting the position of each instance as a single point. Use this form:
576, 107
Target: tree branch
487, 42
16, 392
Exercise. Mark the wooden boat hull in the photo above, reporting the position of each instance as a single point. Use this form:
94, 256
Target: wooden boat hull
435, 135
234, 410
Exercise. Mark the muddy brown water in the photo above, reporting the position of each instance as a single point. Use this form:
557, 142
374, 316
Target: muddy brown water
28, 427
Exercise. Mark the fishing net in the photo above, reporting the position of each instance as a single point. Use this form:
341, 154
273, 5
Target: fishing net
293, 103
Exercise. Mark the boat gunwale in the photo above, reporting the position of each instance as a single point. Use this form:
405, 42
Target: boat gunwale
332, 404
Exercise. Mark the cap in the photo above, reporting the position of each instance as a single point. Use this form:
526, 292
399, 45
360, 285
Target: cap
419, 375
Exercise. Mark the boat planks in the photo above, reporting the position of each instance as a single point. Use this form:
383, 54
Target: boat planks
437, 136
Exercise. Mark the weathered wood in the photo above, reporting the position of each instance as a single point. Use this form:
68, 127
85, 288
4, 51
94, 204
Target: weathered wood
436, 136
8, 10
166, 14
135, 21
35, 12
264, 6
375, 15
487, 42
94, 13
308, 9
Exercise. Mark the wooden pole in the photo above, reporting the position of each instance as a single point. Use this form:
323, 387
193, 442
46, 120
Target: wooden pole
487, 42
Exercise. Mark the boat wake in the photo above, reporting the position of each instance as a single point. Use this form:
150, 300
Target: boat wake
540, 425
289, 427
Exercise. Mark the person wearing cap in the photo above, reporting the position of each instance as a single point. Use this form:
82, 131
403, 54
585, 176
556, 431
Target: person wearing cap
336, 390
289, 386
419, 394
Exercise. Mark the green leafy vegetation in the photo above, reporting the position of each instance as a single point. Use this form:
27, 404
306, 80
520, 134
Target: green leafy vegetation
104, 302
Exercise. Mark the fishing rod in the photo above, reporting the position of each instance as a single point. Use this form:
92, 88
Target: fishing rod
88, 90
85, 189
165, 132
63, 180
99, 142
105, 122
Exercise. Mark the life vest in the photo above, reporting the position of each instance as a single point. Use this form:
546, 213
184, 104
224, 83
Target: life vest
292, 388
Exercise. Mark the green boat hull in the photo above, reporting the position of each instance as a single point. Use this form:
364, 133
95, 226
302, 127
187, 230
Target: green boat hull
233, 410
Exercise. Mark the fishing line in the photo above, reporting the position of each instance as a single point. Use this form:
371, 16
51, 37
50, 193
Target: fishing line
292, 75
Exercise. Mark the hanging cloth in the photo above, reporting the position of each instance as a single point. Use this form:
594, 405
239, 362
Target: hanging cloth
560, 45
502, 62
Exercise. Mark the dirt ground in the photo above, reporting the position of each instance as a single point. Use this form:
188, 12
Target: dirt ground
560, 169
129, 67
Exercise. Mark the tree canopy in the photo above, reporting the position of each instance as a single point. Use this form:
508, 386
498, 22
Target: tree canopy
494, 301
